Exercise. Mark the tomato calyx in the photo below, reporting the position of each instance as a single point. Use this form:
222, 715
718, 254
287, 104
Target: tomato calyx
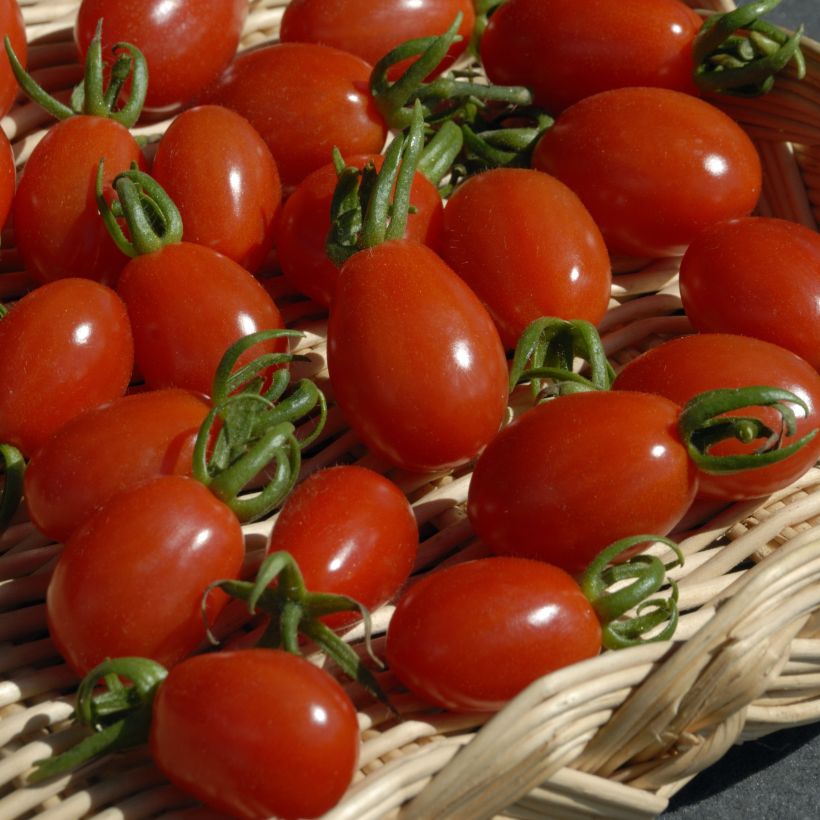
91, 96
744, 64
11, 493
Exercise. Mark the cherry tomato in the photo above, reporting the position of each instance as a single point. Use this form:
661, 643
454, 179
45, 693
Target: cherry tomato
8, 178
681, 368
223, 179
109, 449
57, 227
575, 474
564, 51
652, 166
371, 28
12, 26
352, 532
561, 266
757, 276
67, 347
255, 733
304, 99
305, 222
538, 619
415, 361
186, 43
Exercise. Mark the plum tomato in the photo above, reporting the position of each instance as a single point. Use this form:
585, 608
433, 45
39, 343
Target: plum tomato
8, 178
561, 267
12, 26
539, 621
757, 276
653, 166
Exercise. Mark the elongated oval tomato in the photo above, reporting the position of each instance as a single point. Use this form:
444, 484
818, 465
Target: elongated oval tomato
561, 266
540, 622
575, 474
652, 166
8, 178
109, 449
130, 580
12, 26
67, 347
220, 174
283, 742
681, 368
415, 362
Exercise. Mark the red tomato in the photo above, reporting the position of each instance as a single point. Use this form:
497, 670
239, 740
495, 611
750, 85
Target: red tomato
305, 222
652, 166
13, 27
188, 304
67, 347
681, 368
563, 50
537, 619
109, 449
578, 473
415, 361
304, 99
57, 227
130, 580
561, 266
8, 178
222, 177
255, 733
757, 276
371, 28
352, 532
186, 43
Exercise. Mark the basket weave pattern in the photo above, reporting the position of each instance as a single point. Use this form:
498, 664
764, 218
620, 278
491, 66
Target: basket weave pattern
612, 737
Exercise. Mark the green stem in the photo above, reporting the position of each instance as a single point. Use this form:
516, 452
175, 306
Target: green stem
440, 152
14, 469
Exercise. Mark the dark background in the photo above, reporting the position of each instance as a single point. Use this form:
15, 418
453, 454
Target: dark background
777, 776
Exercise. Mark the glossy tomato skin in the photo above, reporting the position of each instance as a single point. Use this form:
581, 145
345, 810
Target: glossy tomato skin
131, 578
372, 28
564, 51
283, 740
681, 368
57, 227
561, 266
219, 172
8, 178
13, 27
352, 532
186, 43
67, 347
573, 475
304, 99
305, 222
540, 621
188, 304
652, 166
415, 362
109, 449
757, 276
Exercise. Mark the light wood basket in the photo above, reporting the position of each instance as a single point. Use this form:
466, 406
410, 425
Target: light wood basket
612, 737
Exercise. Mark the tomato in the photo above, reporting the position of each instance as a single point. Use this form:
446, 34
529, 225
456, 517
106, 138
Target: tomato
188, 304
352, 532
652, 166
575, 474
57, 227
186, 43
12, 26
305, 222
561, 266
564, 51
255, 733
681, 368
415, 361
537, 617
304, 99
109, 449
371, 28
223, 179
67, 347
131, 578
8, 178
757, 276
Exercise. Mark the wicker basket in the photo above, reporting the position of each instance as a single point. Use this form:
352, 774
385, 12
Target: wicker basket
611, 737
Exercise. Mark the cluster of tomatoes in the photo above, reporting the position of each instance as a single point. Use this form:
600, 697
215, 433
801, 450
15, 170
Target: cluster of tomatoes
153, 327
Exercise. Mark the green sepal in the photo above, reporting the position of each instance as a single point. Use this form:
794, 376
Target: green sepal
14, 468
